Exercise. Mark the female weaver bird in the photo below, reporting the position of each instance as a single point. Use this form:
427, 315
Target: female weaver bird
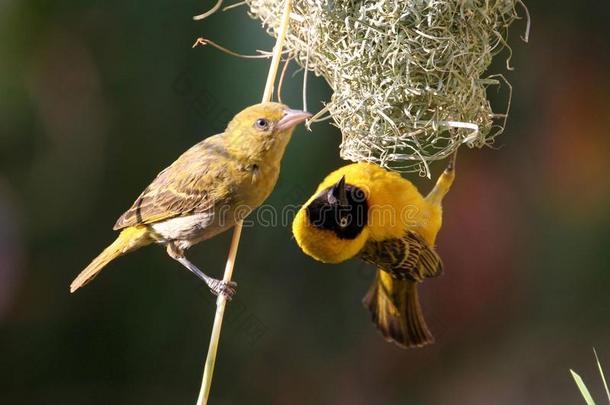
206, 191
364, 210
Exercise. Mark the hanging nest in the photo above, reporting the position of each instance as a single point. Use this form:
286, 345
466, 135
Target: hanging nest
407, 75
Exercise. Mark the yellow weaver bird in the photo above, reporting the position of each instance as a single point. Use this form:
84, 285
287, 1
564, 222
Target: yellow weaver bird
206, 191
364, 210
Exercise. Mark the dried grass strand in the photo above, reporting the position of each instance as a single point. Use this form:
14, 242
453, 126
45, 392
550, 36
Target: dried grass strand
203, 41
209, 12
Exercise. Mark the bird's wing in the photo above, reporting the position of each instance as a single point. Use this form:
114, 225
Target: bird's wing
195, 182
407, 257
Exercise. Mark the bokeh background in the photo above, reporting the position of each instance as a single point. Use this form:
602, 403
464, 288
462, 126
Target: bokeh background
97, 96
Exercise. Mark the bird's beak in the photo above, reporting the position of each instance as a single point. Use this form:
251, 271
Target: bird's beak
337, 193
292, 118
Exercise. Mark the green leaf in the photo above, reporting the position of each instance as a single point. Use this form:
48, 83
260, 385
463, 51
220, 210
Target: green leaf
583, 388
601, 372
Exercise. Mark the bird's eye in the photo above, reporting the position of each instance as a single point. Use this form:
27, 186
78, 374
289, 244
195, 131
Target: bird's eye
261, 123
344, 221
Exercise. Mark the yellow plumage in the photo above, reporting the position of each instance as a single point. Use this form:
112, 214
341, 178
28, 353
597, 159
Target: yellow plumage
364, 210
207, 190
129, 239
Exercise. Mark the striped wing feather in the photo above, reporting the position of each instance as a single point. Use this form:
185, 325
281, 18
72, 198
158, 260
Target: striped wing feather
194, 183
409, 257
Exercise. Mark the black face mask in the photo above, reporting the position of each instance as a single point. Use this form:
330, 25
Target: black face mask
341, 208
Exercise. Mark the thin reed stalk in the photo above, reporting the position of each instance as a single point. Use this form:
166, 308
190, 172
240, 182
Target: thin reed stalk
221, 301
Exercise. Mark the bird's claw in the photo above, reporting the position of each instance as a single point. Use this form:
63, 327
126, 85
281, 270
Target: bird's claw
226, 288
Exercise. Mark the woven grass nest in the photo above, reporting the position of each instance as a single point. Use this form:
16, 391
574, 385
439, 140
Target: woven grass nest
408, 77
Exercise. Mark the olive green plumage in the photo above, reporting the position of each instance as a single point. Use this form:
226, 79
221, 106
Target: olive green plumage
207, 190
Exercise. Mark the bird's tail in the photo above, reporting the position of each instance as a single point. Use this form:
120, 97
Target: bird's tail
129, 239
395, 310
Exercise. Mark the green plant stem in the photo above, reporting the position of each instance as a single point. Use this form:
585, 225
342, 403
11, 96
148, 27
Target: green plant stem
221, 302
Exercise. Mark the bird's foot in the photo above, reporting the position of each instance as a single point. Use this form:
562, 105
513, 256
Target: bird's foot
226, 288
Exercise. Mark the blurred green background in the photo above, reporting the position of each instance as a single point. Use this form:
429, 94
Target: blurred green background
97, 96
